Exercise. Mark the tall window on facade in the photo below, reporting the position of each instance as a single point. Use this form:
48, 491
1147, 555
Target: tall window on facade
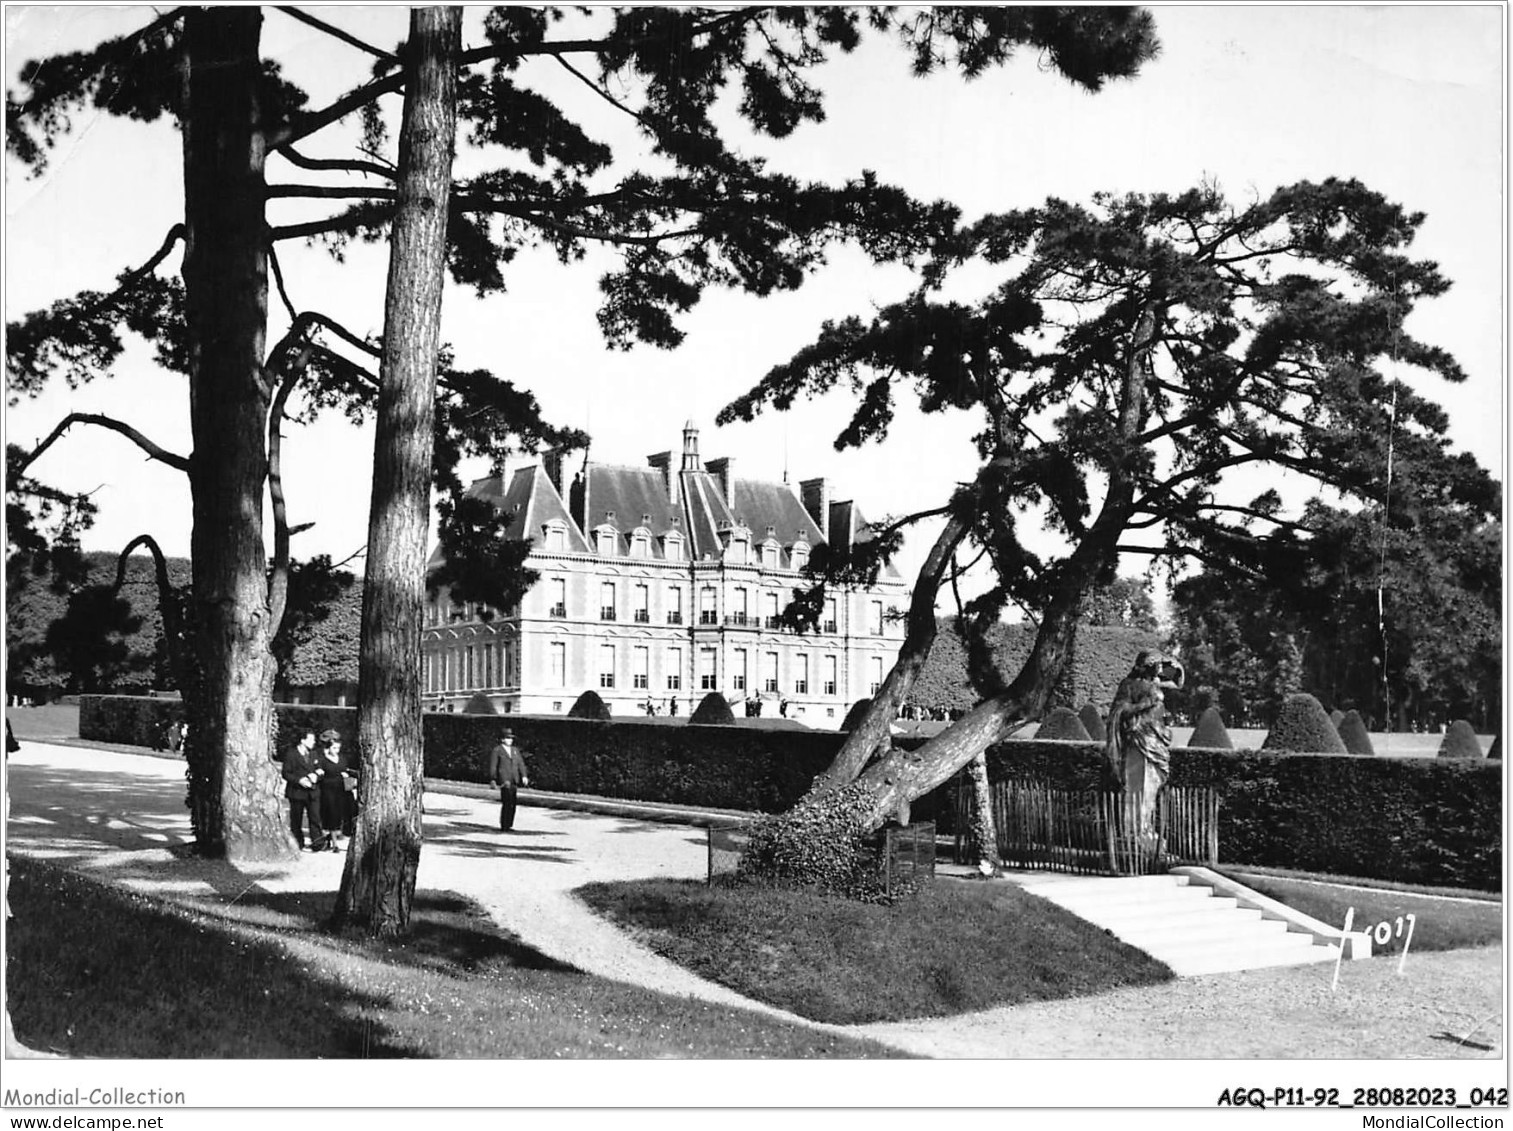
471, 681
674, 669
801, 676
607, 601
738, 670
640, 667
739, 611
770, 609
876, 619
558, 652
606, 665
509, 664
674, 604
488, 665
875, 663
707, 669
559, 597
831, 667
830, 623
707, 607
769, 671
641, 608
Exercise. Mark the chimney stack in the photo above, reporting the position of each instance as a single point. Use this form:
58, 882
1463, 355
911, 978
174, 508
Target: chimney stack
662, 461
724, 470
691, 448
551, 463
815, 494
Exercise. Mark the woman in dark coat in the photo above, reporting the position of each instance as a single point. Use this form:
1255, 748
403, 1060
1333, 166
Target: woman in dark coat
336, 794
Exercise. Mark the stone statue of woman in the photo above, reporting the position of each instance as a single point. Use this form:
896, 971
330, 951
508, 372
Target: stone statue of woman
1139, 739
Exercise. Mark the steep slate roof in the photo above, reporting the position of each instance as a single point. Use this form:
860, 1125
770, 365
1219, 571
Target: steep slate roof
849, 528
760, 505
629, 492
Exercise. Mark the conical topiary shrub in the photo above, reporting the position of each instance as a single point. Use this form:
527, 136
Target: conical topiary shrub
1063, 723
1353, 734
1210, 734
1336, 717
854, 716
713, 711
589, 706
1496, 751
480, 704
1092, 722
1460, 741
1302, 727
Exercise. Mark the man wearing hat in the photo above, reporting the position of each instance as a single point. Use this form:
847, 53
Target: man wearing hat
507, 771
302, 774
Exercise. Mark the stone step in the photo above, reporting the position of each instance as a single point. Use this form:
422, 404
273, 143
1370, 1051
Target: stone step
1220, 961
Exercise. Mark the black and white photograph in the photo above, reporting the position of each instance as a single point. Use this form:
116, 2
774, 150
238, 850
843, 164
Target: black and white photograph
884, 561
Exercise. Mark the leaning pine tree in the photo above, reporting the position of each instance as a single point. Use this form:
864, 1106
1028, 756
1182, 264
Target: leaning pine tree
1134, 355
698, 214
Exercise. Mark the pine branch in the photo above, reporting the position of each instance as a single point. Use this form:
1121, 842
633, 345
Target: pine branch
336, 32
162, 455
294, 157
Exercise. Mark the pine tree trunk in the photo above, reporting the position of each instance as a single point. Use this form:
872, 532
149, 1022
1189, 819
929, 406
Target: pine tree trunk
984, 829
378, 884
872, 732
234, 786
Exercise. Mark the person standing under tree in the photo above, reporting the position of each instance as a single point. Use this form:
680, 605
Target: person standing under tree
335, 798
507, 771
302, 774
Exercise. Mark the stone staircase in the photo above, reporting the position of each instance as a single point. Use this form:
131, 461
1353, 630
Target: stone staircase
1195, 929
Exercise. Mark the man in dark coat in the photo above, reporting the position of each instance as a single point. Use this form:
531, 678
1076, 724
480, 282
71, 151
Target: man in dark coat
302, 774
507, 771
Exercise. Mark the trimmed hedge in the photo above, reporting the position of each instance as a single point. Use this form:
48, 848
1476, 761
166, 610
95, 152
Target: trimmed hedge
1092, 722
713, 711
1302, 727
1353, 734
1460, 741
755, 768
480, 704
1409, 820
588, 706
1210, 734
1062, 723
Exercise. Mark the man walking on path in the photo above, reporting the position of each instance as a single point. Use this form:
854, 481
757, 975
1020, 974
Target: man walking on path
507, 771
302, 774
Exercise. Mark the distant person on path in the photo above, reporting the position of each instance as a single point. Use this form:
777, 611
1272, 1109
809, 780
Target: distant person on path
337, 801
672, 706
11, 745
507, 771
1139, 739
302, 774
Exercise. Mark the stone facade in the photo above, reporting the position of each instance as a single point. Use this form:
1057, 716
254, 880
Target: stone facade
662, 584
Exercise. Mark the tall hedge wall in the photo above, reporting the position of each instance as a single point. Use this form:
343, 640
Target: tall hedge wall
1411, 820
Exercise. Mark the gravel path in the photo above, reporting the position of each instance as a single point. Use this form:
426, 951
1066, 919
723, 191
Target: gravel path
118, 816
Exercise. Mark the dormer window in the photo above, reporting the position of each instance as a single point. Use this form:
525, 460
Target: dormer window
672, 546
605, 541
770, 555
554, 535
798, 555
640, 545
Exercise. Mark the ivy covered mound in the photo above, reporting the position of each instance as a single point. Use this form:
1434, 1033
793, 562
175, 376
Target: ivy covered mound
1354, 735
1302, 727
1460, 741
819, 843
1092, 722
480, 704
1063, 724
1210, 734
589, 706
713, 711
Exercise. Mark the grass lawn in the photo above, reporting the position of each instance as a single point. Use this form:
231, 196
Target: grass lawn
95, 971
956, 947
1439, 924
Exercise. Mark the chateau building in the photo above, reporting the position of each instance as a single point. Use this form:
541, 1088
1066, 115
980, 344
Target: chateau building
664, 583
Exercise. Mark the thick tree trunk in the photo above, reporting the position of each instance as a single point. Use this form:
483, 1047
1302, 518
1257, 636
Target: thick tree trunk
871, 734
234, 786
378, 884
984, 829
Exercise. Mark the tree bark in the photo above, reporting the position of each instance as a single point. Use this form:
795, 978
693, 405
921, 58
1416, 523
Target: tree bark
234, 787
871, 734
378, 883
984, 829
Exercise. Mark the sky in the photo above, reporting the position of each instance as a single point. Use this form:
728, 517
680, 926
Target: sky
1408, 99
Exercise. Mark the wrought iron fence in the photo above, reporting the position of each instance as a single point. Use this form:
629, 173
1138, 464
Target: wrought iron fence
1092, 832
